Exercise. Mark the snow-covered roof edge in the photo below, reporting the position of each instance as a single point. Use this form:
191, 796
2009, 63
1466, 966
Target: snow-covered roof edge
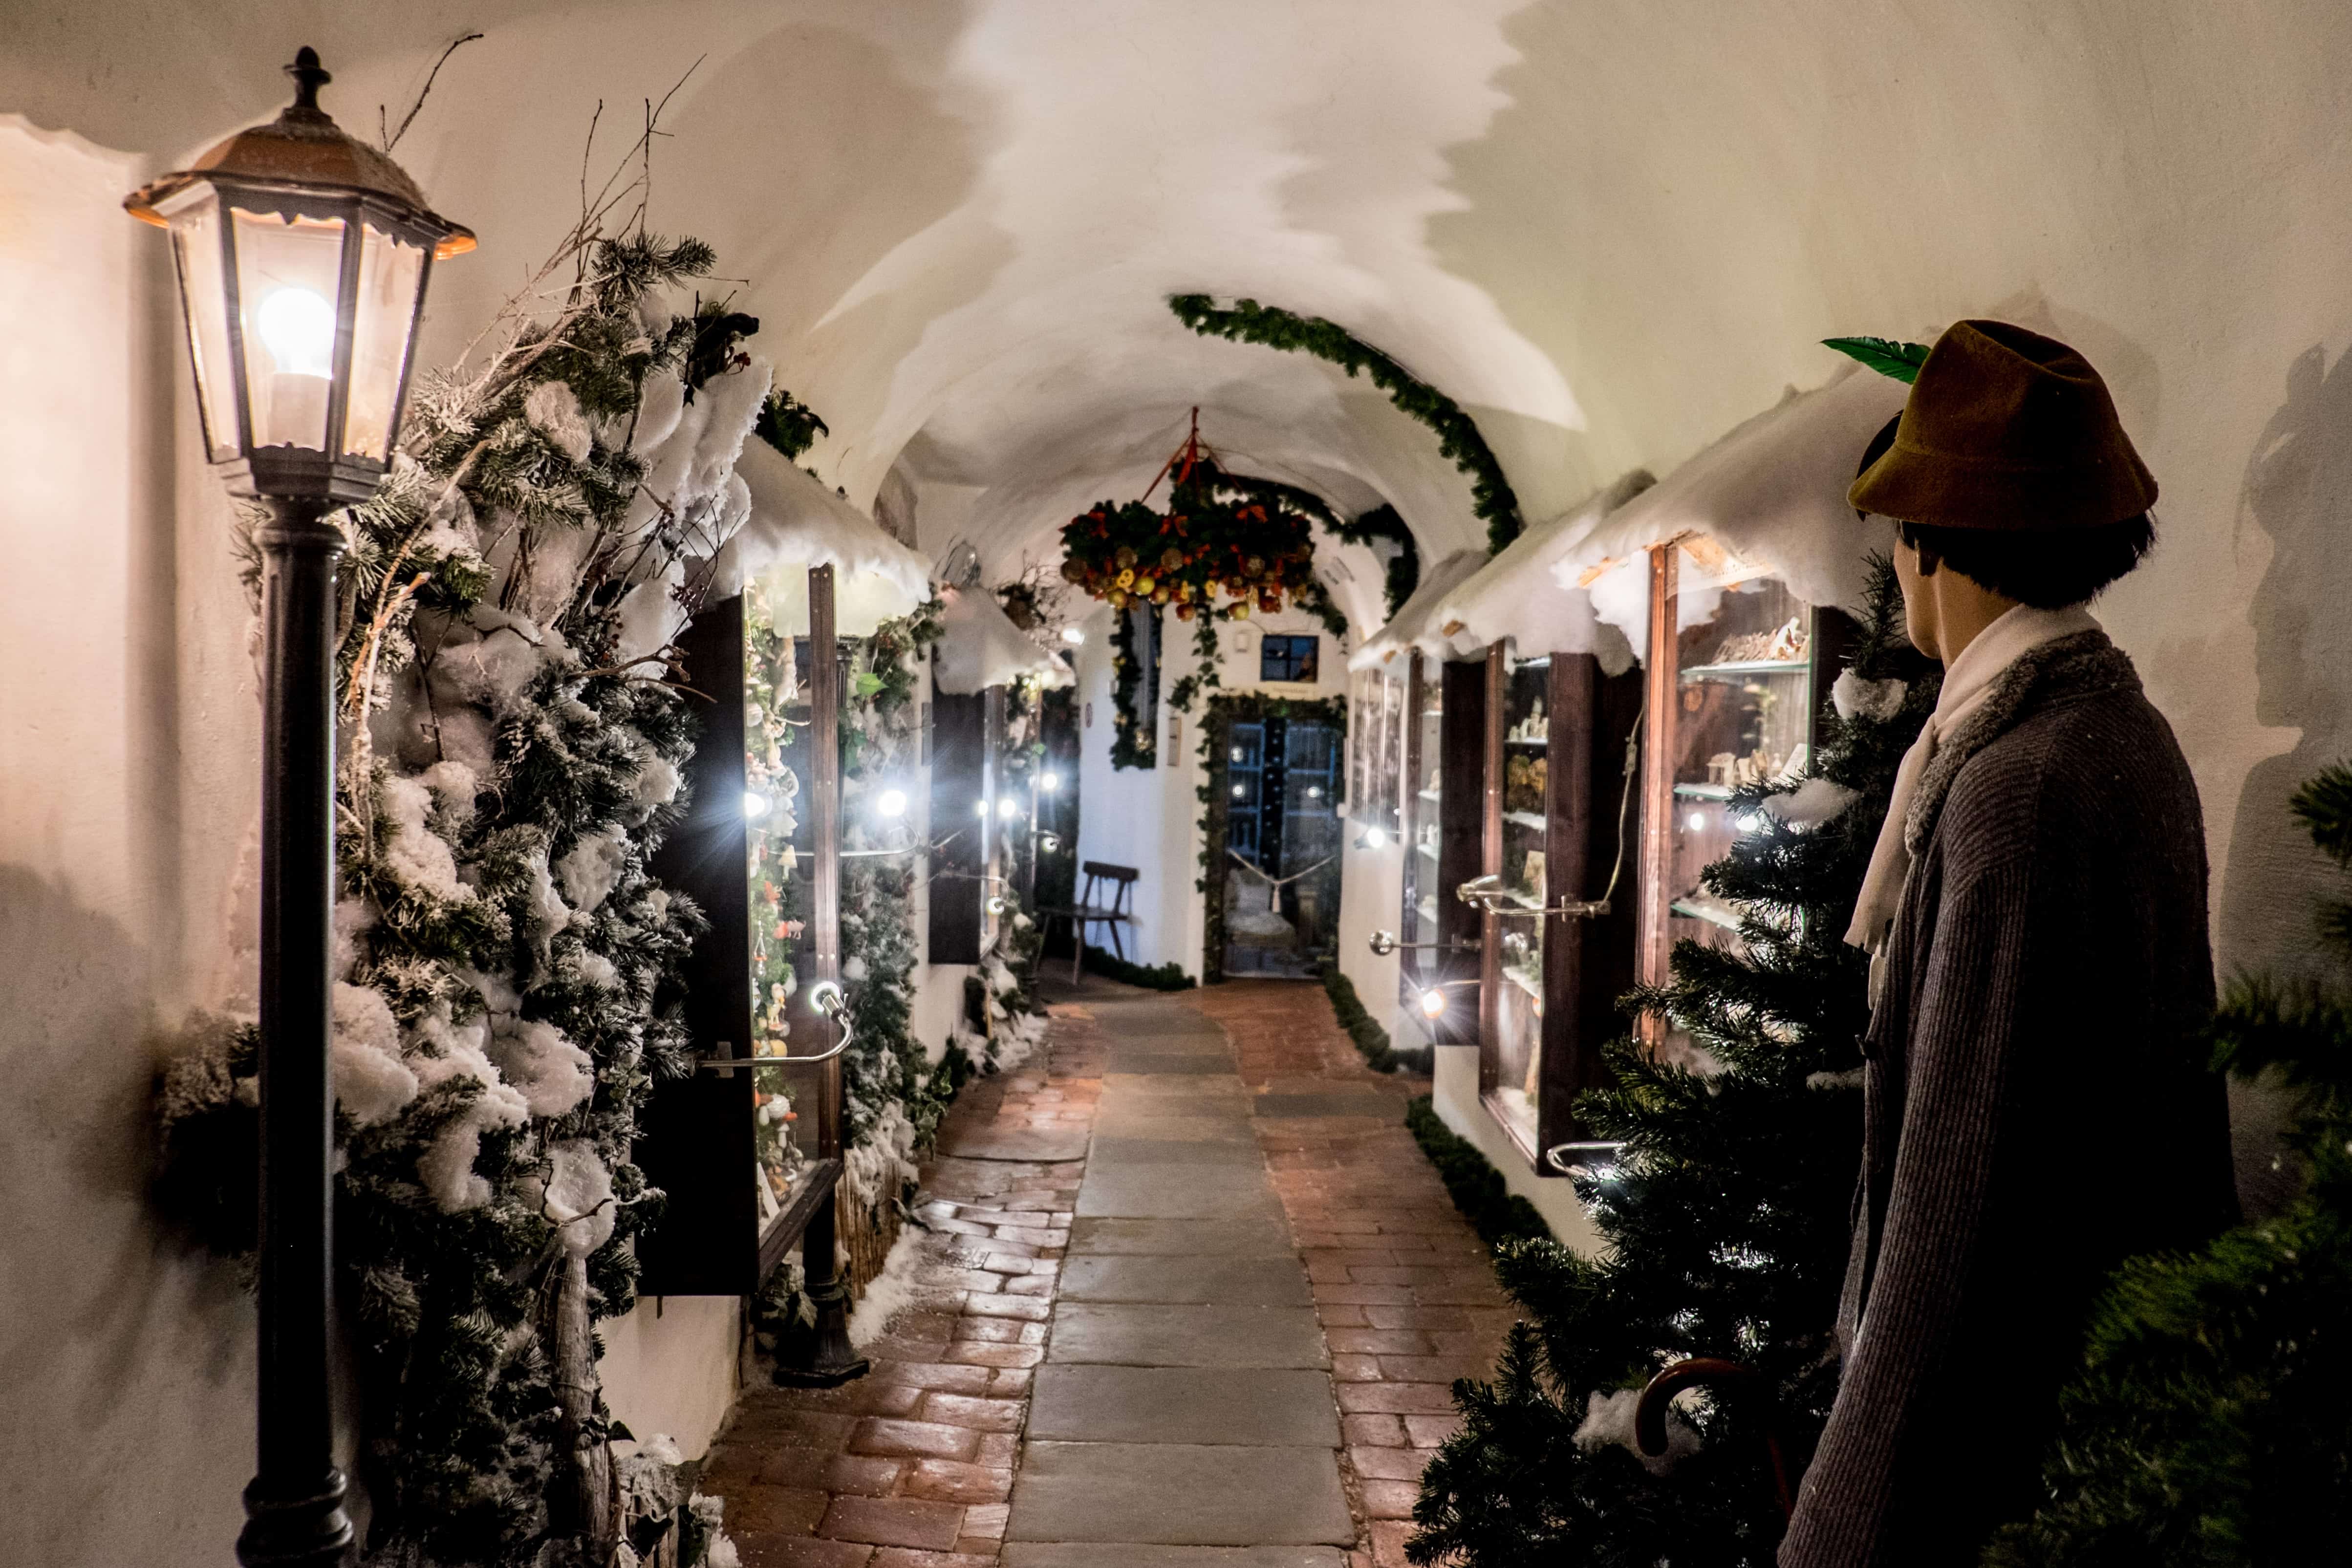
795, 521
980, 647
1514, 596
1405, 626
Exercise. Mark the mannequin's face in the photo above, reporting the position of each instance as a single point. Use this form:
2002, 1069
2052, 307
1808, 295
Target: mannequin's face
1920, 602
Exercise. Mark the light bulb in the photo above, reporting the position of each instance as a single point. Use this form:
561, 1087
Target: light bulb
755, 804
1433, 1002
980, 808
1315, 791
1373, 838
1239, 792
1049, 842
1049, 782
1073, 635
1750, 824
299, 329
891, 803
1696, 821
1008, 807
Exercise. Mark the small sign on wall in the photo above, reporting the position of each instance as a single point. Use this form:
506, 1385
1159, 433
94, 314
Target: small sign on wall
1175, 730
1090, 715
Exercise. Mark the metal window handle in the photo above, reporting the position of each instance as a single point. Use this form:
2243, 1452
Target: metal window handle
1384, 943
826, 997
1489, 896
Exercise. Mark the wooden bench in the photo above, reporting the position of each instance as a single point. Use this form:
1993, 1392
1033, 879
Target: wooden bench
1088, 912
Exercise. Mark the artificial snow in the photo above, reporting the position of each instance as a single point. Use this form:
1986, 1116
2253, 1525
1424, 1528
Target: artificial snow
1516, 595
1811, 803
980, 647
588, 873
794, 523
1771, 494
896, 1289
553, 409
536, 1058
373, 1085
1609, 1420
1875, 700
1413, 616
578, 1198
450, 1052
412, 851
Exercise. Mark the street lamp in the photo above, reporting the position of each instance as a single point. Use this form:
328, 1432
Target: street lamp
302, 258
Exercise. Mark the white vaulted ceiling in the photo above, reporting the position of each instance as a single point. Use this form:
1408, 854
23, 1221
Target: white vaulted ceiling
1613, 229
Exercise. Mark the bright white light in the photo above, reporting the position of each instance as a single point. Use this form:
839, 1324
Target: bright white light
980, 808
299, 329
1073, 635
1433, 1002
1374, 839
891, 803
1049, 782
1239, 792
755, 804
1750, 824
1049, 842
1315, 791
1237, 753
1008, 807
1696, 821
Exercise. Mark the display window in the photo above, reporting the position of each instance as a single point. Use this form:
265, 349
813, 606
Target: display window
1444, 775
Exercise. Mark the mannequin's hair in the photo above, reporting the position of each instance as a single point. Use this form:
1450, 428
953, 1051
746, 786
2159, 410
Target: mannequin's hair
2048, 570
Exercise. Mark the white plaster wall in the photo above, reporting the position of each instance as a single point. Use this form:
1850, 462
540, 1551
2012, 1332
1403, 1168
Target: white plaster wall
126, 1362
672, 1364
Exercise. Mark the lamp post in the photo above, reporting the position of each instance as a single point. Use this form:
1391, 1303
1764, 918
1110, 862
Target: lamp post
302, 258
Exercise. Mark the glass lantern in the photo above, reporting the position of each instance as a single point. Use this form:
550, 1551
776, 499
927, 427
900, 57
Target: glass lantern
303, 256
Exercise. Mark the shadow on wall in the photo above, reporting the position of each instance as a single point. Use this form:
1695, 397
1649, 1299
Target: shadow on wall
115, 1345
2298, 492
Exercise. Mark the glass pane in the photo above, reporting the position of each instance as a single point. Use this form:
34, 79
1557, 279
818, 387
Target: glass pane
1519, 1006
196, 245
288, 274
1742, 717
776, 760
389, 268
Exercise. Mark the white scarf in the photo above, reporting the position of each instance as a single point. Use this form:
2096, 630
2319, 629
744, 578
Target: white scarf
1967, 683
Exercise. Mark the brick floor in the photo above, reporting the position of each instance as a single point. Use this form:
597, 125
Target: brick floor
912, 1466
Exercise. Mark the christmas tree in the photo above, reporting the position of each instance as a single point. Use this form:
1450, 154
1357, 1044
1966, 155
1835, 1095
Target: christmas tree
2212, 1422
1725, 1212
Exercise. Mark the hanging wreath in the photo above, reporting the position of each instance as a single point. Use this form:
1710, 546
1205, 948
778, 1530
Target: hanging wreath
1223, 547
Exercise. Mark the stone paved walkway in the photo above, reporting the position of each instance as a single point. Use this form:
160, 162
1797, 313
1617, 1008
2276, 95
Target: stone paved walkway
1190, 1299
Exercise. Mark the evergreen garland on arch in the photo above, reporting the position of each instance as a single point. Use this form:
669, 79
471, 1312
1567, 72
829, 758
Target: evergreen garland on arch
1725, 1217
1491, 496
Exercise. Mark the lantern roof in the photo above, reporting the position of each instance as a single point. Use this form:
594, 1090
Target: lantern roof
304, 146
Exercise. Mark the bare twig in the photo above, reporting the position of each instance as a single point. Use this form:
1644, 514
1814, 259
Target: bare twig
391, 140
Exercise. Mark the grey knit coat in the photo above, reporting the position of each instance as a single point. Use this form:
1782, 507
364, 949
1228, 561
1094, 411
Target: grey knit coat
2036, 1105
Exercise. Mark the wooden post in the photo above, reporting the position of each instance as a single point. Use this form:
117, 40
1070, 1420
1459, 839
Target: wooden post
833, 1359
1490, 864
1664, 690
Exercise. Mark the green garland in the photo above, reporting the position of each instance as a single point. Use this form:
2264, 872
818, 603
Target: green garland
1457, 434
1372, 1042
506, 962
1499, 1216
1216, 735
1168, 977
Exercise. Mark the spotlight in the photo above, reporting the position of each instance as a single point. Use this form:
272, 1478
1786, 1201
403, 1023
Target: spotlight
1433, 1002
1239, 790
1696, 821
1008, 807
891, 803
1315, 791
1049, 782
1049, 842
1372, 839
1073, 635
1750, 824
979, 807
998, 904
755, 805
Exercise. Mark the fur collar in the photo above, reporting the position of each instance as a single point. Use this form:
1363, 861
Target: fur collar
2083, 665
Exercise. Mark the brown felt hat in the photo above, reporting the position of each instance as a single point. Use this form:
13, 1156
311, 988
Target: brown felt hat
2006, 429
